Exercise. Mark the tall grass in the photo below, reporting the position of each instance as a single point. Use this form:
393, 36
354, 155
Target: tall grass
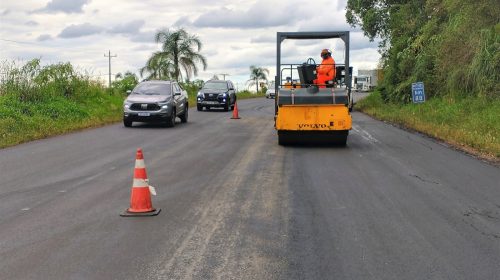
465, 121
38, 101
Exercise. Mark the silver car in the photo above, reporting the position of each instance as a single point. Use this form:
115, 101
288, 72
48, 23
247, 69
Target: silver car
156, 101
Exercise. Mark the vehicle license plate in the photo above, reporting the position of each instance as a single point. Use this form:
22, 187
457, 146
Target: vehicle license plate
143, 114
212, 102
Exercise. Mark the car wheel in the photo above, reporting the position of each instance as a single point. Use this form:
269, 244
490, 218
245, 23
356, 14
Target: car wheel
199, 107
207, 108
171, 120
127, 123
184, 116
226, 107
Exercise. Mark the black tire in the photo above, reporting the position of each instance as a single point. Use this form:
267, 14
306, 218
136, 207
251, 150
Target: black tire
282, 139
184, 116
199, 107
207, 108
127, 123
171, 120
226, 107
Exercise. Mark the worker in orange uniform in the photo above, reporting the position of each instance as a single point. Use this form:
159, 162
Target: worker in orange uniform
325, 71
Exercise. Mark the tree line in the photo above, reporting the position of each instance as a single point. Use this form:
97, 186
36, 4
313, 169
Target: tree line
453, 46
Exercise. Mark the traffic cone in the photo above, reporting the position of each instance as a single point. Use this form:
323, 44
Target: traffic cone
140, 199
235, 111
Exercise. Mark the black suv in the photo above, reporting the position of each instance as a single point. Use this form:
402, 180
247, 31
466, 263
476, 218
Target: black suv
216, 93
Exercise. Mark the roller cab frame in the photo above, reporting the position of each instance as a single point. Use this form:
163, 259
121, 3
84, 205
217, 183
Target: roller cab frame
308, 113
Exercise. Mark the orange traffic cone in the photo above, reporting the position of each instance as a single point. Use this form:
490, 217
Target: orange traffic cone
235, 111
140, 199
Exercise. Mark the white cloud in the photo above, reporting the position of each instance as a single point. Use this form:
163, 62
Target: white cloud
144, 37
235, 34
44, 37
263, 39
359, 41
80, 30
31, 23
130, 27
260, 15
65, 6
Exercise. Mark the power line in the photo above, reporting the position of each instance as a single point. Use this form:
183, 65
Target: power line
110, 56
19, 42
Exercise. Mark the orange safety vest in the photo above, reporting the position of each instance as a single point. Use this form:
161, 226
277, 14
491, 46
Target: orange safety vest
326, 71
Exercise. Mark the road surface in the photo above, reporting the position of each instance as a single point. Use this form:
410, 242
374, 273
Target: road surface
235, 205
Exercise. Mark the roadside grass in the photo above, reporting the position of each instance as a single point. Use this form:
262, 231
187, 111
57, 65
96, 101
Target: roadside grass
22, 121
469, 123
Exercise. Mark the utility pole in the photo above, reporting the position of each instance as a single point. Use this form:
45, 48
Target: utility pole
224, 76
110, 56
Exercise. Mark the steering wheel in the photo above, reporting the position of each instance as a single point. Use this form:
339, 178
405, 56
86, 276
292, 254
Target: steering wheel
309, 60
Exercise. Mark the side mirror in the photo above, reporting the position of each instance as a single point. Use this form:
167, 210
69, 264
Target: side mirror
177, 93
231, 88
129, 92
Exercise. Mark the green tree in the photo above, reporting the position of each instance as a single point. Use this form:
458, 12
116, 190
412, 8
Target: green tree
179, 51
124, 82
449, 45
159, 66
257, 74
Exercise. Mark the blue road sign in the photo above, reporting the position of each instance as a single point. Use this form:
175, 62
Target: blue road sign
418, 92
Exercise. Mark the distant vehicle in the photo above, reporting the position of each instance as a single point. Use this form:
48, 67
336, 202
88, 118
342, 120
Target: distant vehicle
363, 83
156, 101
216, 94
367, 79
271, 91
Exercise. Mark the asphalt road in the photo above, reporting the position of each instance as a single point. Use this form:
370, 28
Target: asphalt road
235, 205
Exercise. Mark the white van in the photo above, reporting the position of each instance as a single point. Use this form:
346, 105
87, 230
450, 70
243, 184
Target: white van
271, 91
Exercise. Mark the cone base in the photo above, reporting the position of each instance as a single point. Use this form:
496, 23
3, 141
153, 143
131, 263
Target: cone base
126, 213
237, 118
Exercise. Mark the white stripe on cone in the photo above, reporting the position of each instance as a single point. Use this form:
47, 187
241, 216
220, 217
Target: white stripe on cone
139, 163
139, 183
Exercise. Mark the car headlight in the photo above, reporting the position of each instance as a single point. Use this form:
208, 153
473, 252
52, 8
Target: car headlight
163, 105
126, 105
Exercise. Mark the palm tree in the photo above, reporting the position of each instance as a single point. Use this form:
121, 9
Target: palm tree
178, 50
257, 74
127, 74
159, 66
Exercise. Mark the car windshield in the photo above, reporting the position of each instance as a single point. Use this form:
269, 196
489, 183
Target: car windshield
214, 85
152, 89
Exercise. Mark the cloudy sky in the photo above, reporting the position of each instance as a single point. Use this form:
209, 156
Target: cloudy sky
235, 34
